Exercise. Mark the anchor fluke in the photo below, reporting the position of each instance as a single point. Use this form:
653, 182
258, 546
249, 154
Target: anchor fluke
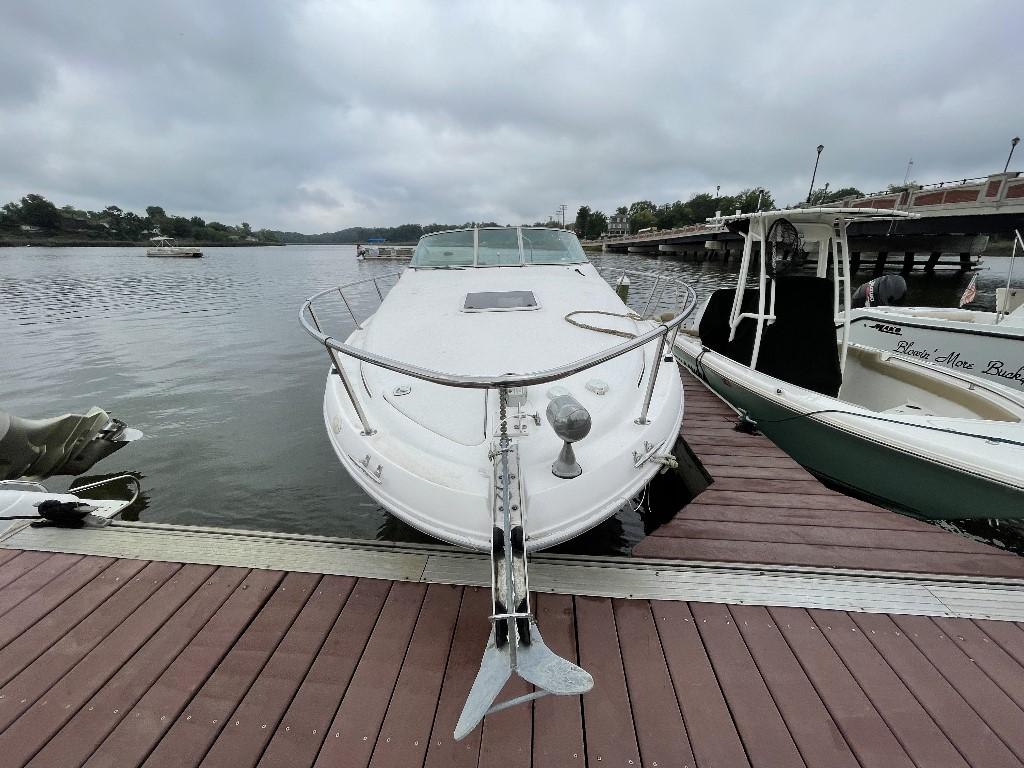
535, 663
515, 643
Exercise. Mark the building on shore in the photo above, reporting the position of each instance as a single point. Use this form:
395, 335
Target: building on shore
616, 225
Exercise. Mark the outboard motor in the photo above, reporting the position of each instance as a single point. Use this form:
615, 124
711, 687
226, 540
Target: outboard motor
63, 445
884, 291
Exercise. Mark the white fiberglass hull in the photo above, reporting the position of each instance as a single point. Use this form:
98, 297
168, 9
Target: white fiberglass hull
429, 459
965, 341
885, 436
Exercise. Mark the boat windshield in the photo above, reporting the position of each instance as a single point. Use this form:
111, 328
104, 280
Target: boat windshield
498, 247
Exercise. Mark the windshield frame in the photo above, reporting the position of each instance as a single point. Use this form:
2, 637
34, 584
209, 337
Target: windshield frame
522, 262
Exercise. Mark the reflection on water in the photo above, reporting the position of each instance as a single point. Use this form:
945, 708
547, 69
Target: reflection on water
206, 357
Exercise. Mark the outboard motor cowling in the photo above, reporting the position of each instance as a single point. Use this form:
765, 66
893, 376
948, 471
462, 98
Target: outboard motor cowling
884, 291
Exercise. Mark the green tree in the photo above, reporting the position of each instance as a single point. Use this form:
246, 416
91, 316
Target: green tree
582, 220
842, 193
705, 205
754, 199
37, 211
597, 225
640, 215
155, 212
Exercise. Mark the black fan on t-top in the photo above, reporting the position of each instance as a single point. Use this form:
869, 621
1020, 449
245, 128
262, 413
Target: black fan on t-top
785, 256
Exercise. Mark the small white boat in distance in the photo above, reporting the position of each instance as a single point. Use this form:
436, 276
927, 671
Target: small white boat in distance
165, 247
905, 433
988, 346
376, 251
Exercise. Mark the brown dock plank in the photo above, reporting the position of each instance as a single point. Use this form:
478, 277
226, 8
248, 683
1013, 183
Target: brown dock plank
1008, 635
754, 498
34, 580
19, 618
610, 735
26, 685
139, 732
41, 714
73, 744
763, 507
8, 554
971, 735
1000, 666
353, 672
194, 732
661, 732
807, 515
929, 540
987, 699
812, 728
557, 720
471, 632
305, 725
712, 732
251, 725
760, 725
21, 564
506, 736
353, 733
863, 728
922, 739
405, 735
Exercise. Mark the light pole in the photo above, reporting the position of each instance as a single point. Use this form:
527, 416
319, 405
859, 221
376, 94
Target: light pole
1013, 145
816, 159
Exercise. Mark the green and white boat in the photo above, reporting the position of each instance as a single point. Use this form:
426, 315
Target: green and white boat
911, 436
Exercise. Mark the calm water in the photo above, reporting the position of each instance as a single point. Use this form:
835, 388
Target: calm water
207, 358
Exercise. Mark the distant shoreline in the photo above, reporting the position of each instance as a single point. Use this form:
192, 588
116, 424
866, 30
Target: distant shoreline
43, 242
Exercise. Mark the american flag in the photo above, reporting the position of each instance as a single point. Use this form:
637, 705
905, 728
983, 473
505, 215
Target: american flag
971, 292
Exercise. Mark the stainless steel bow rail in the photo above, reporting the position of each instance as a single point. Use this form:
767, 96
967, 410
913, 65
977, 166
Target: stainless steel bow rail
515, 643
311, 323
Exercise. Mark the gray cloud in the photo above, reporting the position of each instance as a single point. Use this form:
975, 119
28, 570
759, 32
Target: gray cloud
321, 115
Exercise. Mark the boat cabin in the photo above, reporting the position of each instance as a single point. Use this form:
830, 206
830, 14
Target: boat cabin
497, 247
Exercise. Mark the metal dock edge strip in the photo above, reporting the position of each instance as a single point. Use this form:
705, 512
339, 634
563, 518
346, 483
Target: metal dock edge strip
616, 577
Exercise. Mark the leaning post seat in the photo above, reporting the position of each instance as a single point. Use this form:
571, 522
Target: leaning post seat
714, 326
801, 346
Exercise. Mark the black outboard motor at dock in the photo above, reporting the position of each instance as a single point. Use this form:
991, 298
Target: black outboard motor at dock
884, 291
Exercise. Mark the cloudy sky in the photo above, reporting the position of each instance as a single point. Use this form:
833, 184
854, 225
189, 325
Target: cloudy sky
314, 116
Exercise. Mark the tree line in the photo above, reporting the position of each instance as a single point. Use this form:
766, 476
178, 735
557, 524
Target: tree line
643, 214
404, 233
34, 215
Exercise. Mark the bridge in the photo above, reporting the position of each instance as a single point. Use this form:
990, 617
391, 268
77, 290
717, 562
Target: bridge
956, 220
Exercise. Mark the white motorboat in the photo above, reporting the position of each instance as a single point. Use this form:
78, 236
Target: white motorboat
30, 500
376, 251
485, 310
165, 247
916, 437
503, 397
988, 346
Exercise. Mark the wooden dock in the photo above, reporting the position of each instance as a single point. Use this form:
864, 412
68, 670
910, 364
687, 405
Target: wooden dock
764, 508
772, 623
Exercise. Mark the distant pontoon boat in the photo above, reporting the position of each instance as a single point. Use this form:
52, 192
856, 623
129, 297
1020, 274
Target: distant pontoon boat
165, 247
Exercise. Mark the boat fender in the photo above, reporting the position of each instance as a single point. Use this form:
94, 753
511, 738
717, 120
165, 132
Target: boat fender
571, 422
